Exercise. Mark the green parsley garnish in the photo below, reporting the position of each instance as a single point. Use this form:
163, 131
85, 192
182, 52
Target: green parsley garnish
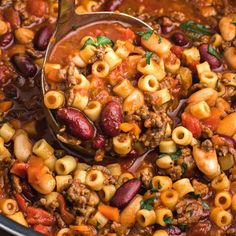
194, 195
205, 205
184, 167
233, 22
213, 52
196, 30
98, 225
168, 220
148, 56
146, 34
153, 189
147, 204
175, 156
183, 227
101, 40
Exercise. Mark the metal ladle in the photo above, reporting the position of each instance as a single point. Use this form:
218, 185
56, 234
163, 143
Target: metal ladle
69, 21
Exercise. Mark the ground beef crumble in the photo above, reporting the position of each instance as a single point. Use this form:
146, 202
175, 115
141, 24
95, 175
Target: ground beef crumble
189, 211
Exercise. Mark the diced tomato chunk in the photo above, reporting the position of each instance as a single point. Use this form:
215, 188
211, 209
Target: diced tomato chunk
37, 7
20, 169
177, 50
42, 229
213, 121
22, 204
39, 216
192, 124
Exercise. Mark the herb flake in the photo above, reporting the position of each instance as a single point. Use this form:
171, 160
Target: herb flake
147, 204
168, 220
148, 56
213, 52
175, 156
205, 205
101, 40
184, 167
233, 22
197, 29
146, 34
194, 195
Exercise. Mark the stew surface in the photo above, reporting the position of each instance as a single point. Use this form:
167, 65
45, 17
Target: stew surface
156, 106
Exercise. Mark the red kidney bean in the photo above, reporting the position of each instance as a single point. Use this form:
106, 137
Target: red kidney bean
6, 40
180, 39
166, 24
125, 193
42, 38
78, 125
133, 154
13, 17
112, 5
98, 141
24, 64
5, 75
206, 56
111, 118
36, 7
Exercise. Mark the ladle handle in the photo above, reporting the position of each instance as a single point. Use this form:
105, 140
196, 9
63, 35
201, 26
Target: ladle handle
66, 10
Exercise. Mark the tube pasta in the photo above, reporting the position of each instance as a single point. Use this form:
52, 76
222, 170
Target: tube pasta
164, 162
91, 6
19, 218
51, 198
172, 64
7, 132
170, 198
22, 145
65, 165
203, 67
80, 100
201, 110
183, 187
221, 217
124, 88
63, 232
123, 48
182, 136
61, 181
93, 110
234, 202
8, 206
161, 214
162, 96
100, 69
146, 217
210, 78
98, 219
148, 83
115, 169
220, 182
107, 192
124, 177
191, 55
223, 200
43, 149
81, 82
167, 146
122, 144
153, 68
95, 180
111, 58
161, 183
86, 53
133, 102
161, 46
4, 153
80, 175
54, 99
50, 162
160, 232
